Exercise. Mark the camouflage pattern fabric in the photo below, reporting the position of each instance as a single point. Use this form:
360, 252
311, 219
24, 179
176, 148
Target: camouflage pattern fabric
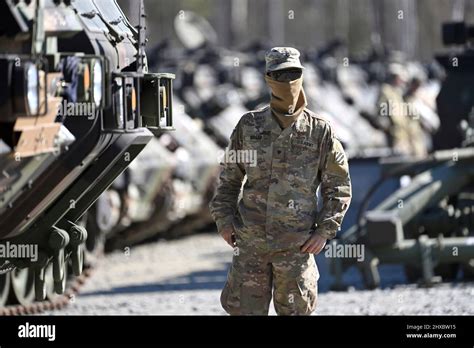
256, 269
280, 190
279, 58
405, 131
276, 210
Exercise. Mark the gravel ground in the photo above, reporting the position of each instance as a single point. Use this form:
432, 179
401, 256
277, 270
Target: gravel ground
185, 276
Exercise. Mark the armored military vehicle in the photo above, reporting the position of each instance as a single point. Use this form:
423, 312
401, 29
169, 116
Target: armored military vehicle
77, 105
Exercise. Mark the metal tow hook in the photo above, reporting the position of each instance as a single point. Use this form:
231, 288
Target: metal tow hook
58, 240
78, 235
39, 267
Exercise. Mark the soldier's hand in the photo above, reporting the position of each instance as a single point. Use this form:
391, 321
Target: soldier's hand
228, 234
314, 244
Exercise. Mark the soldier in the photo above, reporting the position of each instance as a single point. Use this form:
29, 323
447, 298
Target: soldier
273, 224
403, 125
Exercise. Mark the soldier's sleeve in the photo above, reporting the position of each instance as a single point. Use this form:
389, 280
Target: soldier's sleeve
224, 203
336, 190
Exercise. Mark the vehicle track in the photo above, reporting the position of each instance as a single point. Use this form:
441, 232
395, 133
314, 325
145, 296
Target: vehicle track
59, 302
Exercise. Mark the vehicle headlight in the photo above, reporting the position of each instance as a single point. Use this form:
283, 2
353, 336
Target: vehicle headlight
119, 104
97, 83
156, 100
32, 91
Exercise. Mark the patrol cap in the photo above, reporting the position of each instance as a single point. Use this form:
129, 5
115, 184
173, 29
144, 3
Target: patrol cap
396, 69
279, 58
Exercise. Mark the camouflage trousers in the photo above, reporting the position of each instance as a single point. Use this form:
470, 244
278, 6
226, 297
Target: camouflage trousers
255, 273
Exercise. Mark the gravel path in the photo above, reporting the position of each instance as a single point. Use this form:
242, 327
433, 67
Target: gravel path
186, 276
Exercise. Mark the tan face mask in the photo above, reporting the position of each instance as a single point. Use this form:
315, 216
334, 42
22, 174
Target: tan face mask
288, 99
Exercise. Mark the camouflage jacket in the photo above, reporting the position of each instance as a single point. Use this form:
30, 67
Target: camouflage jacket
406, 134
278, 198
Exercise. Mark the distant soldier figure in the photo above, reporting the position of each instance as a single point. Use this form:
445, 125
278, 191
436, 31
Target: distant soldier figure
406, 136
274, 224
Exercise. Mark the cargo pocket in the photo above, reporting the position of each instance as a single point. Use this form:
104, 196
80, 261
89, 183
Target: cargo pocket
256, 292
308, 291
295, 283
230, 296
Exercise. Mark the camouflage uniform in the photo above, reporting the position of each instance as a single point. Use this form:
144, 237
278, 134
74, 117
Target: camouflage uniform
406, 134
276, 212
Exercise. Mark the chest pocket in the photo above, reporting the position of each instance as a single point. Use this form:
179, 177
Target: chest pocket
305, 156
257, 148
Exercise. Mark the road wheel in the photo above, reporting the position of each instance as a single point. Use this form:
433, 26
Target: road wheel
22, 286
4, 288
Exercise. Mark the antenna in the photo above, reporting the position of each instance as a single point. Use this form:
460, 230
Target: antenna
141, 38
37, 38
141, 54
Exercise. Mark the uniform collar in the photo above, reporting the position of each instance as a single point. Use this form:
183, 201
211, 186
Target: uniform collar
272, 125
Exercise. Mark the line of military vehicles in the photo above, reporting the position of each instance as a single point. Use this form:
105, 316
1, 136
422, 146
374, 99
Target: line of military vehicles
98, 153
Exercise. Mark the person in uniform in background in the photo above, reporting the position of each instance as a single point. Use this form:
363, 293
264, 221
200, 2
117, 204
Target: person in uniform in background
423, 106
402, 124
273, 222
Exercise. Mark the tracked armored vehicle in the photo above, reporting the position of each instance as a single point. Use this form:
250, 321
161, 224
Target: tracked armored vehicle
77, 105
